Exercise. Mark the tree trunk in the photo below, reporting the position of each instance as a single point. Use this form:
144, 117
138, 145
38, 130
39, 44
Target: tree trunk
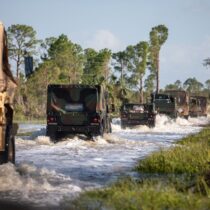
141, 98
18, 67
122, 82
157, 75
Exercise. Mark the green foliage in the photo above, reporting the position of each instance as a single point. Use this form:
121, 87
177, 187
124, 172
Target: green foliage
96, 66
22, 41
158, 36
191, 158
176, 86
207, 83
138, 55
186, 159
68, 57
193, 85
206, 62
64, 62
146, 196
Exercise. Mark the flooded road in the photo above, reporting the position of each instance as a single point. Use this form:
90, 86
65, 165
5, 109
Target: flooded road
46, 173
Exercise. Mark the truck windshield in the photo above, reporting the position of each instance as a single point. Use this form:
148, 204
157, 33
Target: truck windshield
73, 99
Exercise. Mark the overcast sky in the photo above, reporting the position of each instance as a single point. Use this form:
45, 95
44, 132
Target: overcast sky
115, 24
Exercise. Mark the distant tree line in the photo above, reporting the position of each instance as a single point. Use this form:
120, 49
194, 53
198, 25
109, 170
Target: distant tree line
59, 60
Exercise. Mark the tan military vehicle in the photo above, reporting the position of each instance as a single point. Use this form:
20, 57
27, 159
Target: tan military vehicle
7, 90
198, 106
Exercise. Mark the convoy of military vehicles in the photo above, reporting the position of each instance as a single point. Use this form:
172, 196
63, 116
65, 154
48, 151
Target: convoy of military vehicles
86, 109
173, 103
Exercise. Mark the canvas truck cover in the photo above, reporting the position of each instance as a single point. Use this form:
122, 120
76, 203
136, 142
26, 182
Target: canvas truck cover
7, 84
72, 98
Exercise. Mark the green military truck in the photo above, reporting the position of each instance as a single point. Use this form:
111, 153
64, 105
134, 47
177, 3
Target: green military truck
132, 114
198, 106
164, 104
182, 102
7, 91
77, 109
174, 103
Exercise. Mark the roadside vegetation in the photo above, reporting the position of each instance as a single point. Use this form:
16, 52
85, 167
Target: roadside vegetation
177, 178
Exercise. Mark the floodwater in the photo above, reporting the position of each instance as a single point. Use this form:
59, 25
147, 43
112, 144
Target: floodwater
46, 173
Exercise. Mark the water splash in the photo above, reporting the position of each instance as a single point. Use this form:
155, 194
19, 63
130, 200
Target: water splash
46, 171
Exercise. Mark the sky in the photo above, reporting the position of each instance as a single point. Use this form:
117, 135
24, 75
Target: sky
115, 24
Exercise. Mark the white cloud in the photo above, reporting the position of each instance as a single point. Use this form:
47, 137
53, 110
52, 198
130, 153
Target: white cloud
104, 39
185, 55
184, 61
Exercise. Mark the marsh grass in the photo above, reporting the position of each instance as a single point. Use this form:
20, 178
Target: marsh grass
136, 196
191, 156
177, 178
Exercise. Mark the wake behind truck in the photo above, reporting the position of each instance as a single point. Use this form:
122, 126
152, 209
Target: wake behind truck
77, 109
7, 90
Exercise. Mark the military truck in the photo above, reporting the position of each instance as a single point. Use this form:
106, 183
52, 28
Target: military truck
77, 109
182, 102
132, 114
174, 103
165, 104
198, 106
7, 91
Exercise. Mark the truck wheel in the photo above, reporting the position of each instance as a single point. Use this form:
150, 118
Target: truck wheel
11, 150
52, 134
151, 124
9, 154
123, 126
3, 157
53, 137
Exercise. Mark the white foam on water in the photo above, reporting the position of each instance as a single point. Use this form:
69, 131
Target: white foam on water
166, 124
43, 140
48, 171
38, 186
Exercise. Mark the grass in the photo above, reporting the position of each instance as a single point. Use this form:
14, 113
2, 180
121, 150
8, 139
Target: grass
192, 156
130, 195
177, 178
190, 159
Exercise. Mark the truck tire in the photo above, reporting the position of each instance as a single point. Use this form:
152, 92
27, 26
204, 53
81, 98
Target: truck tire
9, 154
3, 157
151, 124
51, 132
11, 150
123, 126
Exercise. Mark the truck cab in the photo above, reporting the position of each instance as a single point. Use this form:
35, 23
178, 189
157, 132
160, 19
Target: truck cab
77, 109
